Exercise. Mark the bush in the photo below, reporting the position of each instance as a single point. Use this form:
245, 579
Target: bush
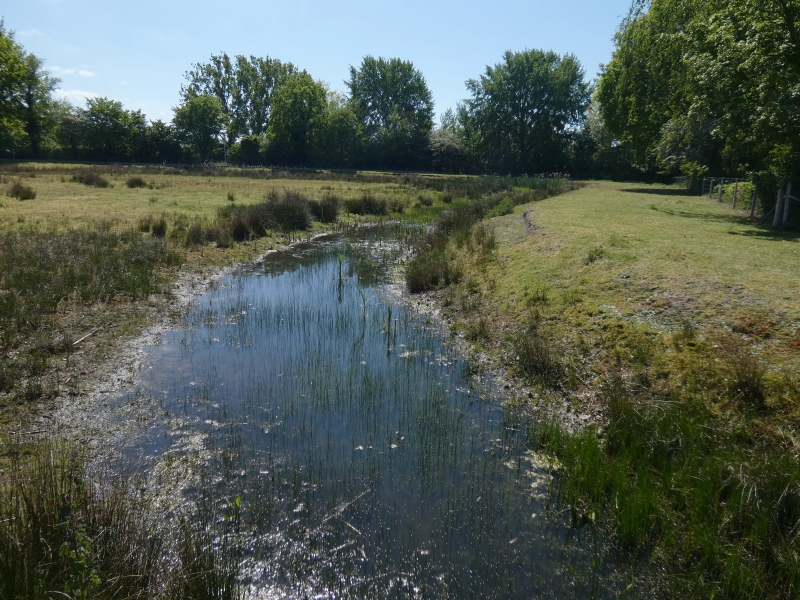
195, 234
291, 212
159, 227
367, 204
219, 235
240, 230
90, 178
22, 192
504, 207
431, 269
325, 210
136, 182
539, 353
425, 200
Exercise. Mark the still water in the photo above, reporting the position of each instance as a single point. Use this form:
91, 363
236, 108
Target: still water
364, 457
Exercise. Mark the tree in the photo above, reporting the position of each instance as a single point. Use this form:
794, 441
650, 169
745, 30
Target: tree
244, 88
708, 82
200, 121
112, 133
448, 152
36, 92
337, 137
25, 98
161, 143
296, 106
523, 110
392, 100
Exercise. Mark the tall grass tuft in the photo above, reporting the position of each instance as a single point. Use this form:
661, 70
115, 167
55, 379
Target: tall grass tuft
667, 480
65, 532
539, 352
325, 210
136, 182
21, 192
90, 178
367, 204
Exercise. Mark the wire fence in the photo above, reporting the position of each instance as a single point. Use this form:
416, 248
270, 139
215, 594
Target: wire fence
768, 202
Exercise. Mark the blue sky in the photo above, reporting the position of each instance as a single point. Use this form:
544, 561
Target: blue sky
137, 51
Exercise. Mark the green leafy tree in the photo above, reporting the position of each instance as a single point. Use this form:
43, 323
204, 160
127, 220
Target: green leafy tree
25, 98
161, 143
71, 129
524, 110
200, 121
448, 152
12, 72
708, 82
392, 100
337, 136
244, 87
297, 106
36, 96
112, 133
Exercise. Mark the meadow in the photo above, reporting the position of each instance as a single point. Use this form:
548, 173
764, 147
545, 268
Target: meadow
667, 325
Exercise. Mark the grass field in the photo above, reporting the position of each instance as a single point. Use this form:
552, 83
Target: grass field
673, 323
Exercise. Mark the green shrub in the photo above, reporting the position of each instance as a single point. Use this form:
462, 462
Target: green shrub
240, 229
504, 207
325, 210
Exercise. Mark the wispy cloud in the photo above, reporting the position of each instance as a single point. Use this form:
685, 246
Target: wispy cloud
29, 33
85, 73
59, 71
75, 95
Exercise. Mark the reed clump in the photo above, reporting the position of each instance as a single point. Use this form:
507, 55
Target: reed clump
21, 192
367, 204
667, 481
65, 531
90, 178
136, 182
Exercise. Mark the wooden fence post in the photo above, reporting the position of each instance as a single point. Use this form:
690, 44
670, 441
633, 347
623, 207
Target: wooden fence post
735, 191
711, 189
753, 201
776, 220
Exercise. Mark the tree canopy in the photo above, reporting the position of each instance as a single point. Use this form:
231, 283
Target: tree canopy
392, 100
200, 121
523, 110
713, 82
244, 87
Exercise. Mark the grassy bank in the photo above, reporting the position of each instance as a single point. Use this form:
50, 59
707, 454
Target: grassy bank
669, 325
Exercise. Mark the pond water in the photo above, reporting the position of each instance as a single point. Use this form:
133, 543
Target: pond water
364, 457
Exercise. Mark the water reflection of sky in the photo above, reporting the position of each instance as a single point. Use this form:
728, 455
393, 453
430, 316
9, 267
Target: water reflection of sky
368, 463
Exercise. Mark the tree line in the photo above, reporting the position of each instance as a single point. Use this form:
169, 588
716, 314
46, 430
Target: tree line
693, 86
699, 86
525, 116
